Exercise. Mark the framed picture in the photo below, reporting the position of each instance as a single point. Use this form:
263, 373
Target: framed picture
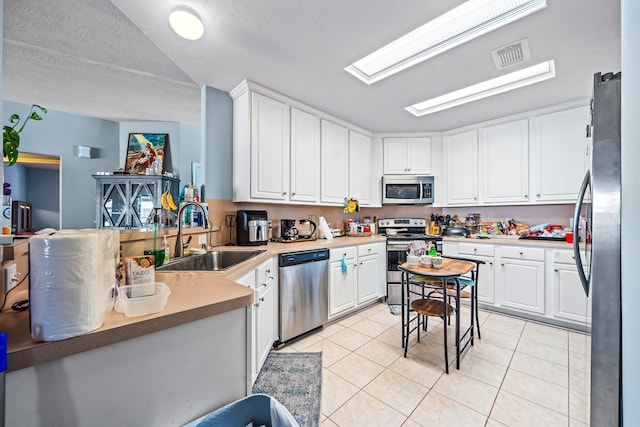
143, 150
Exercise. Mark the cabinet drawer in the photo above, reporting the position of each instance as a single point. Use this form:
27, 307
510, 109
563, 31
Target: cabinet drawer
368, 249
264, 273
475, 249
351, 252
516, 252
566, 257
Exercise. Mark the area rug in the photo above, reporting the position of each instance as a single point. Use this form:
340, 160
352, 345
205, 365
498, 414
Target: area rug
295, 379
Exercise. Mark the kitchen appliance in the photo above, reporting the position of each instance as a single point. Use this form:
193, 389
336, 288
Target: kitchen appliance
304, 290
311, 229
252, 228
398, 243
407, 190
596, 229
288, 230
21, 218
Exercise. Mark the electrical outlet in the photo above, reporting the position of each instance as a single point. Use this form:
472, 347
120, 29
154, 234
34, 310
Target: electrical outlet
202, 239
10, 277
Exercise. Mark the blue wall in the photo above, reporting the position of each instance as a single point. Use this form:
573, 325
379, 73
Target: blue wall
55, 136
217, 141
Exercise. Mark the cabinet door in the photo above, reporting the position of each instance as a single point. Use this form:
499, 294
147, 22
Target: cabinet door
269, 148
368, 278
486, 279
569, 299
504, 163
522, 285
342, 287
265, 319
360, 179
394, 156
334, 176
305, 156
560, 154
419, 156
462, 168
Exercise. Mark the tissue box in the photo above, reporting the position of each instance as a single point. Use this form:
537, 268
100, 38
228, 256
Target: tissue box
141, 274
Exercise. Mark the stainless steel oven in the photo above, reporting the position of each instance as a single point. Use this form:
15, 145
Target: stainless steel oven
407, 190
400, 232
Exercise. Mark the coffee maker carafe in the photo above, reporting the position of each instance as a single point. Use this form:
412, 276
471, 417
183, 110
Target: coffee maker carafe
288, 230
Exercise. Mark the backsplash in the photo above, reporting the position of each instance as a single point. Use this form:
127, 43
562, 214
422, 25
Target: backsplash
220, 208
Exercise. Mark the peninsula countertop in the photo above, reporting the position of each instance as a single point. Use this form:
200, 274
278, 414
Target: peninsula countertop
194, 295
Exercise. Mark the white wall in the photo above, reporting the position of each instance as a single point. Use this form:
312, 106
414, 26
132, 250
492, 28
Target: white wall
630, 209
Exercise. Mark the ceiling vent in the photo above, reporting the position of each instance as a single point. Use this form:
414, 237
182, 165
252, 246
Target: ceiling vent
512, 54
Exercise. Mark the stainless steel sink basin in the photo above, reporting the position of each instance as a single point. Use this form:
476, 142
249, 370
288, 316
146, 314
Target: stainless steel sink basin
211, 261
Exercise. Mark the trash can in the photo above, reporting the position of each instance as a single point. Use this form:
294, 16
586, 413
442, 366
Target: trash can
258, 409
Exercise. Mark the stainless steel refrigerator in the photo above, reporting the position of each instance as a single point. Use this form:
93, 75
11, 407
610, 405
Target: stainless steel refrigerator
597, 253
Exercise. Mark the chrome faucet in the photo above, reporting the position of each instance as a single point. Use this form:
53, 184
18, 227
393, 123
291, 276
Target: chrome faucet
179, 244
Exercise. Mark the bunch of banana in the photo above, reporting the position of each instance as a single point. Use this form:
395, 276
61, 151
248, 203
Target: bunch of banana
167, 201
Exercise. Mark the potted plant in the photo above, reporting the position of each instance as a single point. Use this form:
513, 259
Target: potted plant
11, 135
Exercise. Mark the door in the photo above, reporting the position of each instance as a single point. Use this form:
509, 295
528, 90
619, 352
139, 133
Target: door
265, 320
569, 299
342, 286
522, 285
334, 177
367, 278
269, 148
305, 156
462, 168
419, 156
395, 155
360, 168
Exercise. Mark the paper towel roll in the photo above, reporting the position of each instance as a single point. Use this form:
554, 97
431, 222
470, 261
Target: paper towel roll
324, 229
72, 276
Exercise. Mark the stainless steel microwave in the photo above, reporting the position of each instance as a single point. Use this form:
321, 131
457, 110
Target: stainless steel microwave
407, 190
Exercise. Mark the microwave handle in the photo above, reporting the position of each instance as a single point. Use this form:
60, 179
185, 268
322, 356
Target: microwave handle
421, 190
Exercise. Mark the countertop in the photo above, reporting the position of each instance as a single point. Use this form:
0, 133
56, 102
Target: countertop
194, 296
512, 242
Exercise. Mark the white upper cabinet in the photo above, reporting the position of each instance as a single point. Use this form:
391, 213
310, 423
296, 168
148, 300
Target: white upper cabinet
461, 159
407, 156
334, 161
305, 156
560, 155
360, 180
504, 163
269, 148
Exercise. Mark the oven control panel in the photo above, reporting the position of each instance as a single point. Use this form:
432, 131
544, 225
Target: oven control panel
402, 222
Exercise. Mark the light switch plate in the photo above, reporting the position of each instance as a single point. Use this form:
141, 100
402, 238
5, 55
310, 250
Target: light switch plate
10, 277
202, 239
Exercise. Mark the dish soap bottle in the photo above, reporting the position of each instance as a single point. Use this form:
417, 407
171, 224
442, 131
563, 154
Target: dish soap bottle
432, 249
167, 250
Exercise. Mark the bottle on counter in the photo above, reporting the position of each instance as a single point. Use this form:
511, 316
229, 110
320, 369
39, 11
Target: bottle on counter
167, 250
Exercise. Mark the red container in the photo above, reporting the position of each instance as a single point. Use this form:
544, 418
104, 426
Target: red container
569, 237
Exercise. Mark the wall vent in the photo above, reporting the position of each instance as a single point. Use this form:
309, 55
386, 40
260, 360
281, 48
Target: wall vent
511, 54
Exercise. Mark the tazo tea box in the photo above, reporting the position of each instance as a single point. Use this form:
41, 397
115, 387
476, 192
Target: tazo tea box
141, 274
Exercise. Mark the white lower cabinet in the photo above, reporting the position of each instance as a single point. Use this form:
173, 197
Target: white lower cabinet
361, 280
569, 301
262, 317
520, 278
343, 279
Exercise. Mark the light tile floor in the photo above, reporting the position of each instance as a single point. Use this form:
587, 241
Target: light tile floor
520, 373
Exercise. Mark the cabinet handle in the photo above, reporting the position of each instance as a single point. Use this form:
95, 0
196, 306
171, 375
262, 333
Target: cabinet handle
490, 263
259, 301
502, 264
556, 270
520, 253
526, 196
475, 198
284, 193
475, 249
268, 271
538, 195
293, 194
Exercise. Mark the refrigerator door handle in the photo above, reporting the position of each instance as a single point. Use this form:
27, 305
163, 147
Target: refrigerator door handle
586, 182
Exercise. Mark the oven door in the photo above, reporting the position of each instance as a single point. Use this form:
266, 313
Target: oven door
396, 256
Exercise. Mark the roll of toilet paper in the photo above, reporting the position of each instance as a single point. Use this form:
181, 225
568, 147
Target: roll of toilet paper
72, 276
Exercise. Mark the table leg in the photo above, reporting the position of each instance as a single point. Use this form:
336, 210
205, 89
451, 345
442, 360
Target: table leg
445, 318
457, 323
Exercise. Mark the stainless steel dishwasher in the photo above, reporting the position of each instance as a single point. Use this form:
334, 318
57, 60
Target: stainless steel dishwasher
304, 282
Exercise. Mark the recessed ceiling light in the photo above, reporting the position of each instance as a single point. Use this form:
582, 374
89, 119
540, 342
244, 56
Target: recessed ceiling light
186, 23
526, 76
461, 24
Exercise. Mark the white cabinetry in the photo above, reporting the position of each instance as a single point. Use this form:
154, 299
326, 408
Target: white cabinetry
269, 148
334, 162
520, 278
461, 159
305, 156
569, 301
486, 276
343, 279
408, 156
560, 154
368, 272
262, 316
360, 176
504, 163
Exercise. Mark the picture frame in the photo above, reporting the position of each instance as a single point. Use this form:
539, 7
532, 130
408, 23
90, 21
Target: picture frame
143, 149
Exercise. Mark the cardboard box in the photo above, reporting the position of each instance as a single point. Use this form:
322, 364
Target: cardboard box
141, 275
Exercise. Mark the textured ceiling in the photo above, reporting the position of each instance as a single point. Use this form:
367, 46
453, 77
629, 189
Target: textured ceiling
121, 61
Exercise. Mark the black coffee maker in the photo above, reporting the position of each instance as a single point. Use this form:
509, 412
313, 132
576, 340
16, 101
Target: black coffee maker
288, 230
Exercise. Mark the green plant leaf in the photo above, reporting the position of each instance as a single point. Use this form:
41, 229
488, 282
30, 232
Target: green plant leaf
14, 119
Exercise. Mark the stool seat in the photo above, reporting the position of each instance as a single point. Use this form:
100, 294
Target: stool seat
430, 307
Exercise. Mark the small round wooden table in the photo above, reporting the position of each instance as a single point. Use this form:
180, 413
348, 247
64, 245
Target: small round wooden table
451, 270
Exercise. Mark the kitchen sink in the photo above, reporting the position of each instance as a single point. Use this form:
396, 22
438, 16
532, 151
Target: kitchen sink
211, 261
